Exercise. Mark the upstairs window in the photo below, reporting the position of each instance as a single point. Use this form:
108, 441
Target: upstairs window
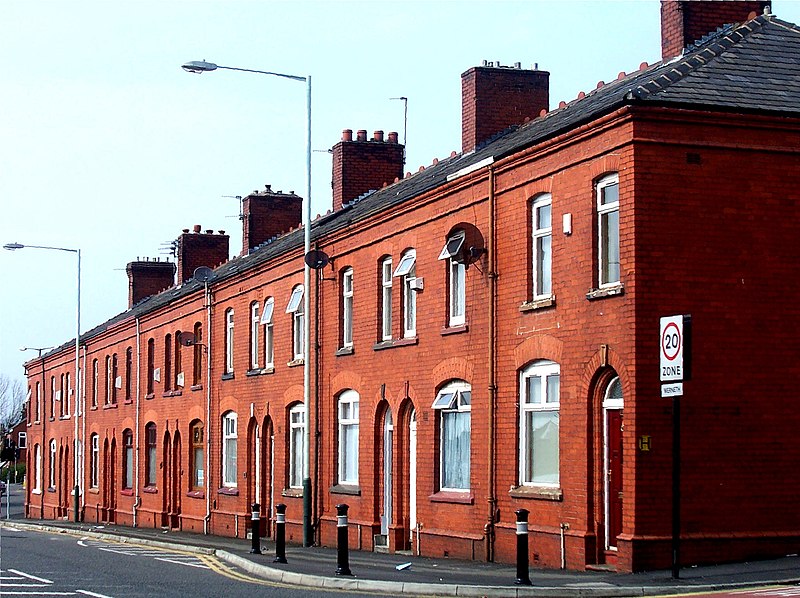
456, 278
539, 424
52, 397
386, 299
128, 375
68, 394
95, 381
197, 355
168, 363
109, 381
255, 325
269, 338
295, 307
38, 410
229, 341
347, 308
542, 259
151, 366
406, 271
453, 402
607, 191
178, 365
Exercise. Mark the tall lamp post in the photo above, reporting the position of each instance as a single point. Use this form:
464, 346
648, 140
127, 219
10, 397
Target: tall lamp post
76, 444
201, 66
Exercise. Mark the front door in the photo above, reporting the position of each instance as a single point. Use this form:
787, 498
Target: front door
612, 434
412, 476
175, 499
386, 517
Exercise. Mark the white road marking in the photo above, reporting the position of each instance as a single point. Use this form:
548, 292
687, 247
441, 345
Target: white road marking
29, 576
198, 565
88, 593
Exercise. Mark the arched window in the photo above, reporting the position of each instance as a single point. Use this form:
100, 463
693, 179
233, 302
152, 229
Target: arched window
297, 435
229, 449
151, 455
539, 424
127, 459
52, 464
453, 402
197, 457
348, 438
94, 462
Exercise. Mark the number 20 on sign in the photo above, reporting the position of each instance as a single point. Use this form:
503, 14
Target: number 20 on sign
671, 349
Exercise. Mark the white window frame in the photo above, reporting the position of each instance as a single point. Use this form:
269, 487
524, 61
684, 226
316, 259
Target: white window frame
541, 236
452, 401
38, 402
297, 442
407, 272
608, 237
22, 440
94, 463
128, 472
269, 337
66, 398
456, 278
151, 456
52, 397
255, 324
347, 308
109, 380
386, 299
230, 448
95, 376
295, 307
229, 340
542, 373
37, 461
348, 437
52, 464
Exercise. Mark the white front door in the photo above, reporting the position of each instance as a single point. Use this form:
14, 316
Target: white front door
412, 475
386, 518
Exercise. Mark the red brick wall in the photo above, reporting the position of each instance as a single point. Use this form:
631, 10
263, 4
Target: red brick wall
196, 249
267, 215
686, 21
493, 98
146, 278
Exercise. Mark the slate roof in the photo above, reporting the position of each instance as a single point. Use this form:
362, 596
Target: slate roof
752, 67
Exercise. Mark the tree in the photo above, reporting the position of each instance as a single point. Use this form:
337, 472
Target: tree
12, 402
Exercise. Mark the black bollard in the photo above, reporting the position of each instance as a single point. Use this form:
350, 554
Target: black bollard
255, 524
523, 579
342, 554
280, 533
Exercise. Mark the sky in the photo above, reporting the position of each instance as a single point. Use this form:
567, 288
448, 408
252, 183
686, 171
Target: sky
108, 146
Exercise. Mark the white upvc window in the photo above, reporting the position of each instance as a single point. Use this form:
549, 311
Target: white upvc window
269, 338
456, 278
94, 464
229, 449
407, 272
454, 405
386, 299
37, 461
95, 381
38, 402
348, 437
297, 443
52, 397
542, 259
295, 307
22, 440
539, 424
255, 324
229, 341
67, 397
607, 191
347, 308
52, 464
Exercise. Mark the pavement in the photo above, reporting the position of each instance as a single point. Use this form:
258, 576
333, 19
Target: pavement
372, 572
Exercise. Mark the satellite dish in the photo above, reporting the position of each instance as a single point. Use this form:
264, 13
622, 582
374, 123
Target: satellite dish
316, 259
203, 273
186, 339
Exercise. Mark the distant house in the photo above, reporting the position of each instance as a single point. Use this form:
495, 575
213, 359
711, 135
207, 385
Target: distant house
485, 332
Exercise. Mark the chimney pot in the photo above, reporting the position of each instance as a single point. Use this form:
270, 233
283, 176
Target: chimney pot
347, 135
197, 228
378, 135
209, 231
393, 137
361, 135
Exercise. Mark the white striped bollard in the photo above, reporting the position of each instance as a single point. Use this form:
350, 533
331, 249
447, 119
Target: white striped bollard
523, 578
342, 553
280, 533
255, 526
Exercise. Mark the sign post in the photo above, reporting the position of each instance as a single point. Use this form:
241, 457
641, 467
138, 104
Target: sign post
674, 367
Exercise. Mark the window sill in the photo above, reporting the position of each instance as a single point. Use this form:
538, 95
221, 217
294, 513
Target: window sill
150, 490
535, 304
128, 401
149, 396
609, 291
260, 371
228, 376
51, 489
400, 342
455, 329
462, 498
93, 490
196, 494
177, 393
228, 491
111, 406
93, 408
292, 492
345, 489
126, 492
537, 493
344, 351
196, 387
52, 419
64, 417
295, 362
36, 491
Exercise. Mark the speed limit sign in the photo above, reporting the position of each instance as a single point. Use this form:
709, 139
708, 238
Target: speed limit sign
672, 343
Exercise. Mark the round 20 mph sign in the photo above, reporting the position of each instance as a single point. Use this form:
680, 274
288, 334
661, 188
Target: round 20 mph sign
671, 348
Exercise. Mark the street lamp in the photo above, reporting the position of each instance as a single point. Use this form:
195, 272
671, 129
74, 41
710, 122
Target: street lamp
77, 489
201, 66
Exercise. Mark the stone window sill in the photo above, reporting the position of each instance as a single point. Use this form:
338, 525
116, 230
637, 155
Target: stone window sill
462, 498
126, 492
150, 490
400, 342
196, 494
111, 406
455, 329
537, 493
603, 292
229, 491
346, 489
535, 304
344, 351
260, 371
197, 387
149, 396
228, 376
292, 492
295, 362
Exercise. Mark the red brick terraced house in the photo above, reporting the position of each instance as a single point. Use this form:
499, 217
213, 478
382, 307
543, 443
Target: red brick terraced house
485, 336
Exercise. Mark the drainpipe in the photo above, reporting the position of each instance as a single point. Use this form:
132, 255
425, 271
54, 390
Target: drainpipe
207, 427
488, 529
315, 525
138, 407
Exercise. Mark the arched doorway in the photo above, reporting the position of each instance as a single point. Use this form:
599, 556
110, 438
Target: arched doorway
612, 465
165, 481
106, 477
175, 476
266, 496
412, 476
387, 475
112, 482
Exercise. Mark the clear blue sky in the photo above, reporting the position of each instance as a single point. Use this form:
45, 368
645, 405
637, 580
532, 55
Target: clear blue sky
107, 145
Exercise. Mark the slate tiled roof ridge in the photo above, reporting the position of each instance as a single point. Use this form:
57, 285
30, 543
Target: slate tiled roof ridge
669, 82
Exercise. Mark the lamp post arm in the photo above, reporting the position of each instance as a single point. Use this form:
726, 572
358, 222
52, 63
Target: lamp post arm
285, 76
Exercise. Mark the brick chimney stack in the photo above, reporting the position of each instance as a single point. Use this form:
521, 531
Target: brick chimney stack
268, 213
197, 249
146, 278
686, 21
494, 97
364, 165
